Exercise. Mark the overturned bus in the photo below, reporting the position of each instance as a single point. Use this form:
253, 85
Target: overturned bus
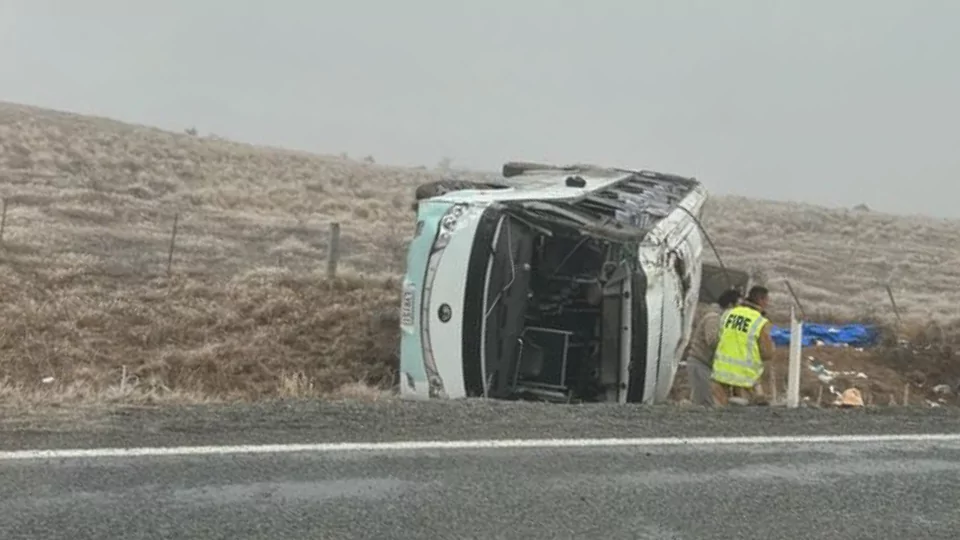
574, 283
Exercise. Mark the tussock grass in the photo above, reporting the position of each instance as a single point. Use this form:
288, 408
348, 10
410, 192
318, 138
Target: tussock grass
245, 314
261, 334
838, 261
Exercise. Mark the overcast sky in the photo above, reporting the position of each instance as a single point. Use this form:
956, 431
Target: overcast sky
832, 101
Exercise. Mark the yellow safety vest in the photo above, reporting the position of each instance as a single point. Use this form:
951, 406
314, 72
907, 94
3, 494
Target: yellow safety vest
736, 361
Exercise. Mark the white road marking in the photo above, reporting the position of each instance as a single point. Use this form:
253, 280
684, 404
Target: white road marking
489, 444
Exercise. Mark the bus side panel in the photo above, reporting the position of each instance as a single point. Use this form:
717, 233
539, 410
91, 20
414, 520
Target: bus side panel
413, 375
672, 293
672, 334
652, 264
681, 285
447, 288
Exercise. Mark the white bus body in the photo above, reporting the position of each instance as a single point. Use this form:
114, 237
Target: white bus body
574, 283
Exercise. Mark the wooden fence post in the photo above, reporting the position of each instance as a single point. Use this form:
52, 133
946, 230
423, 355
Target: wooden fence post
3, 220
173, 239
774, 398
893, 302
333, 251
803, 313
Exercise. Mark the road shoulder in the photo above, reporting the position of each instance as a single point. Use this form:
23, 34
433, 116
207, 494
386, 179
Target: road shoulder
288, 422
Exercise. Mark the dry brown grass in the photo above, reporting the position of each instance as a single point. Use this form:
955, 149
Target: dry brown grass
838, 261
245, 315
261, 334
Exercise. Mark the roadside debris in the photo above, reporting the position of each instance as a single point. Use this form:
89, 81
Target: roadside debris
885, 377
942, 389
826, 376
851, 397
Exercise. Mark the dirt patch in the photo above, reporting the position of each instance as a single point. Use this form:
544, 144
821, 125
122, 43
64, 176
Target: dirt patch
885, 375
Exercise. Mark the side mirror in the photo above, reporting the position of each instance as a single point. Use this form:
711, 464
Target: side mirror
714, 280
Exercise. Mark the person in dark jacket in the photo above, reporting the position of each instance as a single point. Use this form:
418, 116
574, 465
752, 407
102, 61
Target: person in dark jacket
703, 341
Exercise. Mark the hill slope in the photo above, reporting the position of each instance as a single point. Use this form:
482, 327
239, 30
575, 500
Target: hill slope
245, 312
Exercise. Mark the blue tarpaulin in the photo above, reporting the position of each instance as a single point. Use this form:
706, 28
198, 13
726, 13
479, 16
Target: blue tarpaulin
830, 335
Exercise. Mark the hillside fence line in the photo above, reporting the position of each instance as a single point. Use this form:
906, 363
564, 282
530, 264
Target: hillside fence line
335, 252
333, 256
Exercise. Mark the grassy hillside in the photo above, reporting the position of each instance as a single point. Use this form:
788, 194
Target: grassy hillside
246, 312
839, 260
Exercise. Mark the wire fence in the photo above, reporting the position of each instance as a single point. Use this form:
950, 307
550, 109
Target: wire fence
205, 243
190, 243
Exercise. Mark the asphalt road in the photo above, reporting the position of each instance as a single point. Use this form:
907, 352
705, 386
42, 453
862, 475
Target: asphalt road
798, 490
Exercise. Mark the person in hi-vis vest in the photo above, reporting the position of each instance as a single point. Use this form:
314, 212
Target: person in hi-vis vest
703, 343
744, 345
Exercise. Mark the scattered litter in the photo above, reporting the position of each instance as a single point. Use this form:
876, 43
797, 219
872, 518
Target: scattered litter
825, 375
933, 403
47, 380
851, 397
942, 389
822, 372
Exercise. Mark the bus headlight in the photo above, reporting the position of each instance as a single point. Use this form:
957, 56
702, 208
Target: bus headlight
448, 225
